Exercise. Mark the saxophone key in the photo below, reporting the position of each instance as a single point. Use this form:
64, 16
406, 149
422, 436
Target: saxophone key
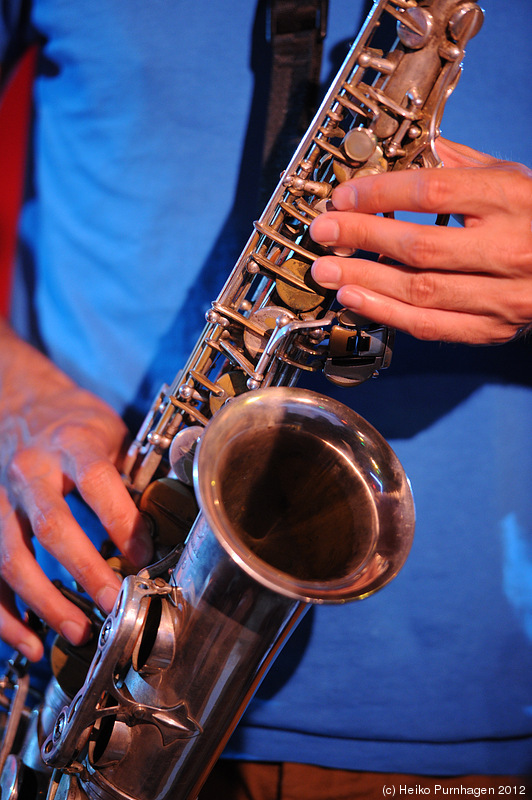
300, 300
266, 317
230, 384
359, 144
415, 28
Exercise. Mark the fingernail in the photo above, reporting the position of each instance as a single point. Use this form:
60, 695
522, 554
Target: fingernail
350, 298
74, 632
344, 198
106, 598
327, 273
325, 230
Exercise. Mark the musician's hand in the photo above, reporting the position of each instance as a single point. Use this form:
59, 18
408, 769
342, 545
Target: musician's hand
53, 437
470, 284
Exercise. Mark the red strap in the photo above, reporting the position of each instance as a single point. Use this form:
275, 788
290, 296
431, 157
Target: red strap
14, 119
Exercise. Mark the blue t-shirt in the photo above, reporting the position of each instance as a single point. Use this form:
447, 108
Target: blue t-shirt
141, 192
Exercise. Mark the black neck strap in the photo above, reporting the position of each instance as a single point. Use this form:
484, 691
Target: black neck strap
296, 32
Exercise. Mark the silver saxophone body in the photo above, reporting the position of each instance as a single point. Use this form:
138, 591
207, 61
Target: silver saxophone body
263, 498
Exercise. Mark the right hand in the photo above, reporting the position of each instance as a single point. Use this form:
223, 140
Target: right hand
471, 284
55, 436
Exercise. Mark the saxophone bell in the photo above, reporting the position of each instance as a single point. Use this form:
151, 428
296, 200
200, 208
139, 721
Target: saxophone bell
320, 500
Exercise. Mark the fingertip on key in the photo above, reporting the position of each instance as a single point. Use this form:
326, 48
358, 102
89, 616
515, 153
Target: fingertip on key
75, 632
31, 648
106, 598
327, 273
325, 230
344, 197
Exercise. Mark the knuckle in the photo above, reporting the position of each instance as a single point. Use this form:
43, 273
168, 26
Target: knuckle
516, 184
508, 186
120, 520
422, 289
48, 524
419, 249
426, 329
513, 311
64, 435
95, 475
431, 191
19, 466
520, 257
87, 574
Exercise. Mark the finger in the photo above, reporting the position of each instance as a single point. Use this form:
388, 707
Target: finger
13, 630
425, 324
499, 298
21, 572
420, 246
51, 521
468, 191
102, 488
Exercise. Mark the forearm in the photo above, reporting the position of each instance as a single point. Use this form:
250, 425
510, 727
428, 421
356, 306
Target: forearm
24, 370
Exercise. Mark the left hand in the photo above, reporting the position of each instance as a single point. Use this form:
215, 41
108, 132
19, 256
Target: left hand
55, 436
470, 284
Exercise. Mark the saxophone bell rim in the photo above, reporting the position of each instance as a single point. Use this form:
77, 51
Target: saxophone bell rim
369, 456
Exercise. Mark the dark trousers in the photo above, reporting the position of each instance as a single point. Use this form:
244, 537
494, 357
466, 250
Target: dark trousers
236, 780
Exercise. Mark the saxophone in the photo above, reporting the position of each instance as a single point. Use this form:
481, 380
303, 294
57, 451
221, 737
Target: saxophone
263, 498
